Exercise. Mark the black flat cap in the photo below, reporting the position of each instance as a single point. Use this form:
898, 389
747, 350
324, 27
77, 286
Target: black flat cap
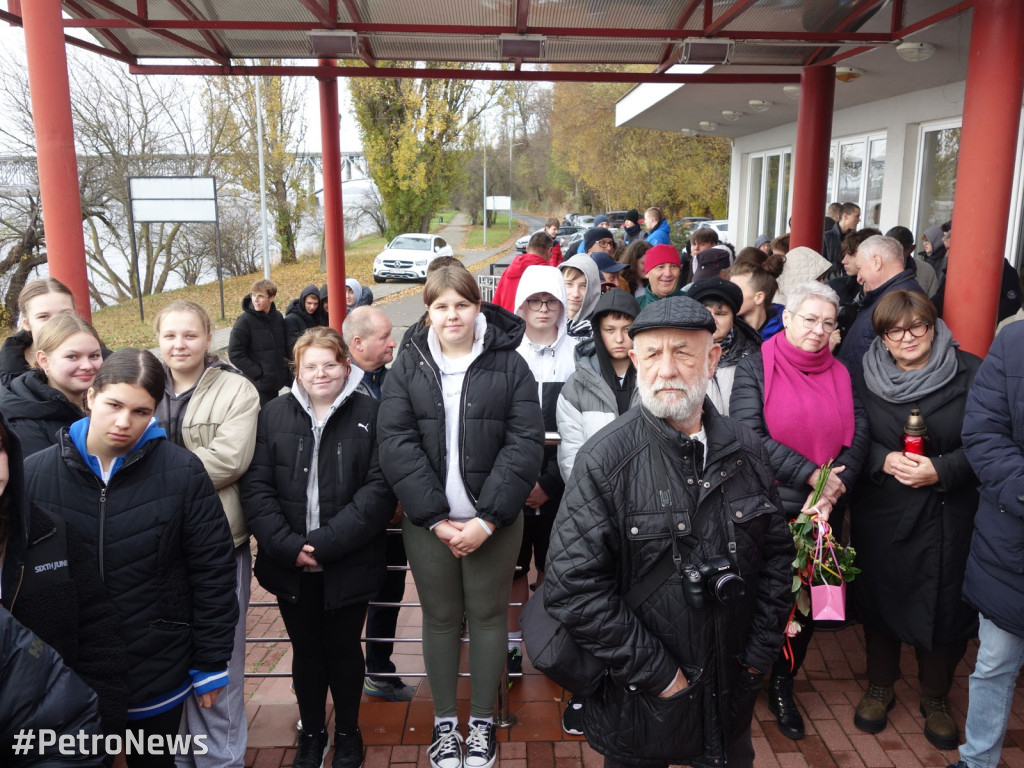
716, 288
680, 312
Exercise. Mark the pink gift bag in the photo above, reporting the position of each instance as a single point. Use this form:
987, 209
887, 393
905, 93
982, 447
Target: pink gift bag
828, 601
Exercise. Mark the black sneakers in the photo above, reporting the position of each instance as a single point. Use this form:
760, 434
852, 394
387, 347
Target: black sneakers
446, 747
481, 744
312, 749
348, 750
572, 718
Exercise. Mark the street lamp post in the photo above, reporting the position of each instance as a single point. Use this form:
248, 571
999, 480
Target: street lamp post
510, 145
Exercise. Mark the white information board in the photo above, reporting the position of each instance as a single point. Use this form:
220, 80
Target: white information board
173, 198
498, 203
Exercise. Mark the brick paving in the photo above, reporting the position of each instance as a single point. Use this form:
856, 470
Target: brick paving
827, 689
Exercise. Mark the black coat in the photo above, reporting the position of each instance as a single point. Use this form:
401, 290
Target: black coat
258, 348
37, 690
861, 331
791, 468
912, 543
36, 411
502, 430
355, 501
611, 531
50, 583
993, 437
12, 356
164, 549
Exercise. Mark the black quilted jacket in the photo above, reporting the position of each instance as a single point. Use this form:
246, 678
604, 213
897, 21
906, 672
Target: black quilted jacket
611, 531
502, 430
164, 549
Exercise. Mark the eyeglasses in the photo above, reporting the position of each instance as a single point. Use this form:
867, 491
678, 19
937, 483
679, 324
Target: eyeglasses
606, 243
549, 304
811, 322
329, 369
917, 330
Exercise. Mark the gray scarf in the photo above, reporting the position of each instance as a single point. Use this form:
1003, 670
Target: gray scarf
887, 380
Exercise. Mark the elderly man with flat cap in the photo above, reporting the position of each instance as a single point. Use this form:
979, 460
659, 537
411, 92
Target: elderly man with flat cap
670, 560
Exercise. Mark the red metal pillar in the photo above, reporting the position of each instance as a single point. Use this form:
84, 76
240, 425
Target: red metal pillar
984, 173
334, 214
810, 161
55, 147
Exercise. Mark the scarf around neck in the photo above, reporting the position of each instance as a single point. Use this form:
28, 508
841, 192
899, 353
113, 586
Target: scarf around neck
807, 388
894, 385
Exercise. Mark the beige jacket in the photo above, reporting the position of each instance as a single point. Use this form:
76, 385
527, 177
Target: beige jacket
219, 426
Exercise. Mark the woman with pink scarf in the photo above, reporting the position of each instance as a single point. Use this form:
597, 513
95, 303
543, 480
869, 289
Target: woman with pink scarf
799, 398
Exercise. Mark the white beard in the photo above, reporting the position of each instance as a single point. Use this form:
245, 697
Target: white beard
681, 408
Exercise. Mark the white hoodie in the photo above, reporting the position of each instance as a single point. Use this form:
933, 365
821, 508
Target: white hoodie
556, 362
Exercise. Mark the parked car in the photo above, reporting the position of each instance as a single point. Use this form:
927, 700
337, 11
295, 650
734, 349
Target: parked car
584, 221
722, 226
408, 256
524, 241
616, 218
686, 221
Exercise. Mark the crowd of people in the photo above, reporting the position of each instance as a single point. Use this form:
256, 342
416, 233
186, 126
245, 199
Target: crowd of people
702, 398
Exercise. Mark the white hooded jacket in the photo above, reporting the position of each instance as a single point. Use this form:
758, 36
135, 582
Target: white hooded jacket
552, 363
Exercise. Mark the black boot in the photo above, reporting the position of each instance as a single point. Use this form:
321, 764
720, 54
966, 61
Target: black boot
781, 704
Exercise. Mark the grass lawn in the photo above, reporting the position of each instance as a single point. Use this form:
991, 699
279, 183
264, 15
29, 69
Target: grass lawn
496, 233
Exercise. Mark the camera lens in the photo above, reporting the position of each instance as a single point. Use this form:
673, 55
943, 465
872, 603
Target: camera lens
727, 588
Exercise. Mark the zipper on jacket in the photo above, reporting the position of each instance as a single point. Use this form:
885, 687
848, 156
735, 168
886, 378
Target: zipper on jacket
440, 413
17, 587
102, 525
299, 461
462, 434
338, 474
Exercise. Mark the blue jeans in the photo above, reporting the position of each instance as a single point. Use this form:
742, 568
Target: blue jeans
991, 695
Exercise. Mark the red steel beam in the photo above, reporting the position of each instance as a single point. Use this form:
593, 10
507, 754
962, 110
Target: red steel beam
728, 16
936, 18
143, 23
107, 34
544, 76
833, 60
858, 14
522, 14
896, 17
667, 59
16, 21
365, 47
810, 156
186, 10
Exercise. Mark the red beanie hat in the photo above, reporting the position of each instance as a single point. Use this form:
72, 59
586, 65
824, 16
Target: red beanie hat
660, 254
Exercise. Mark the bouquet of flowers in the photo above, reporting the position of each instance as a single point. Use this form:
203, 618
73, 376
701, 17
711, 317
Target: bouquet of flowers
810, 566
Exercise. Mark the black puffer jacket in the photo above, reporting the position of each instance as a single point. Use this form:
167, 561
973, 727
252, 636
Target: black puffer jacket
258, 348
297, 320
164, 550
611, 531
36, 411
355, 500
49, 581
37, 690
791, 468
12, 357
501, 431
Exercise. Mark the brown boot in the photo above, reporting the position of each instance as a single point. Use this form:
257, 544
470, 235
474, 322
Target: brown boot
939, 727
871, 713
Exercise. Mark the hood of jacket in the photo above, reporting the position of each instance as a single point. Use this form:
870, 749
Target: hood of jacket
298, 306
504, 330
554, 362
802, 265
80, 429
29, 396
299, 392
17, 508
588, 267
12, 352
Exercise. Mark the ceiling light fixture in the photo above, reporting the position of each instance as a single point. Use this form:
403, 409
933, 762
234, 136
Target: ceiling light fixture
521, 46
708, 125
334, 43
792, 92
760, 105
848, 74
706, 50
731, 115
915, 51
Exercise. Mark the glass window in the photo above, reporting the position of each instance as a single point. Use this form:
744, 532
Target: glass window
872, 213
940, 149
787, 179
755, 184
771, 197
851, 171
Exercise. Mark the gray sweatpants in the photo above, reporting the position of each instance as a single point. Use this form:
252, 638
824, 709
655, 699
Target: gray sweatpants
475, 586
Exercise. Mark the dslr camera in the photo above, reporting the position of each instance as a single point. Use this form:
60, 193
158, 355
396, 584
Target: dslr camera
714, 578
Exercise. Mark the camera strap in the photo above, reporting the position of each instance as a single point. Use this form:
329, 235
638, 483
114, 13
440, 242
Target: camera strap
665, 499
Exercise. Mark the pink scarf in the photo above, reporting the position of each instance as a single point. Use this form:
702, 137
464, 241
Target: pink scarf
808, 399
